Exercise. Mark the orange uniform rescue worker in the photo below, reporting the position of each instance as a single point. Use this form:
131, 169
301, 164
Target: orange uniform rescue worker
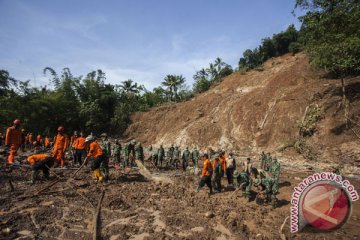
205, 174
13, 140
40, 162
96, 154
79, 148
60, 146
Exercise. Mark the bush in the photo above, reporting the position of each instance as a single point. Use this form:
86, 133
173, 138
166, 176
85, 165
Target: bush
307, 127
305, 149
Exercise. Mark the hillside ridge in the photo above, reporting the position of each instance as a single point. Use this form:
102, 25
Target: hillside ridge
255, 111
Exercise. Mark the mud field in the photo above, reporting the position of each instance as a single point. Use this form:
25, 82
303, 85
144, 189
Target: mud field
136, 208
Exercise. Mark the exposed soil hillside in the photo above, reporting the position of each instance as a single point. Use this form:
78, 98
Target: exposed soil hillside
258, 111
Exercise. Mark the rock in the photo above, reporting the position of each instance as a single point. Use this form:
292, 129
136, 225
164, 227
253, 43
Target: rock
209, 214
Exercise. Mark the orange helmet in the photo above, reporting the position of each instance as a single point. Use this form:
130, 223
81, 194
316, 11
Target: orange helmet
16, 122
61, 129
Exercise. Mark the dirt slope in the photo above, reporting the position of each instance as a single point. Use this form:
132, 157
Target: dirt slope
257, 110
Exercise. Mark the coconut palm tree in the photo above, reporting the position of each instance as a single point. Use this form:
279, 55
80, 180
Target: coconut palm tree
130, 87
173, 82
219, 64
212, 71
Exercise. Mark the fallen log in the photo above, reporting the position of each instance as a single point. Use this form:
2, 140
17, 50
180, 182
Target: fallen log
147, 174
143, 170
97, 231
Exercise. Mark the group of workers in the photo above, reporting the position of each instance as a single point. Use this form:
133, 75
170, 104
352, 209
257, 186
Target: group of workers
82, 149
174, 157
99, 151
266, 178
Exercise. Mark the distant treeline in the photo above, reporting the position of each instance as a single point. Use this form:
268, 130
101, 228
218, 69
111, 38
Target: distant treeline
329, 33
279, 44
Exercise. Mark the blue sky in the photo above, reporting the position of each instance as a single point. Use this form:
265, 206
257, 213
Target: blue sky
143, 40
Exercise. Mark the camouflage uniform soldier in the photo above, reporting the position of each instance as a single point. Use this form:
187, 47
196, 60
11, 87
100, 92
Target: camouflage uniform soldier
185, 158
244, 182
161, 155
268, 162
117, 153
106, 147
139, 153
270, 187
275, 169
195, 157
131, 150
263, 160
216, 176
126, 155
176, 157
170, 155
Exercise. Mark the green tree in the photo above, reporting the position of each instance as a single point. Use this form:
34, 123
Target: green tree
173, 82
130, 87
330, 30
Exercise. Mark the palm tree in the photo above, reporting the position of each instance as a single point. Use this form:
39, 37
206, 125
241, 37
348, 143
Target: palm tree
212, 71
173, 82
180, 80
200, 75
129, 87
219, 64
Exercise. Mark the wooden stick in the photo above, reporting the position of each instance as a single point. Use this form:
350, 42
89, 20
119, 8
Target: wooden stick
96, 233
82, 165
48, 186
282, 235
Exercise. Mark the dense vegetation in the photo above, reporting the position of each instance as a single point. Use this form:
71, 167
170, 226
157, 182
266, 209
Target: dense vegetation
89, 103
278, 45
330, 33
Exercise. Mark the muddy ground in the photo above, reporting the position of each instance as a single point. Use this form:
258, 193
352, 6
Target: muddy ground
136, 208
